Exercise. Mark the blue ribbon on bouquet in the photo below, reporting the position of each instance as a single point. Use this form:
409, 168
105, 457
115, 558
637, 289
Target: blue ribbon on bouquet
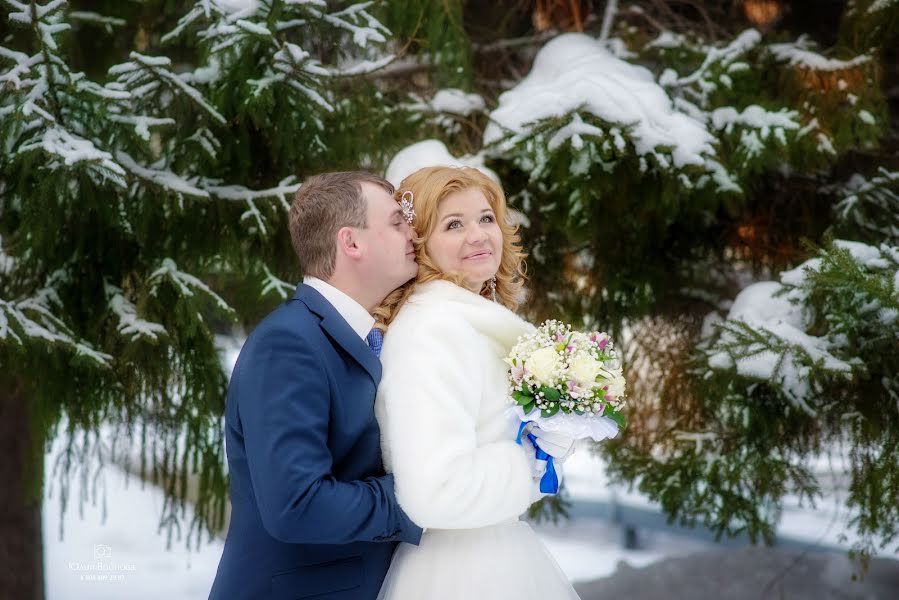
549, 483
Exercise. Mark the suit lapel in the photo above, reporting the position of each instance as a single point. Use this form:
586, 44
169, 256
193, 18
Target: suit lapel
336, 327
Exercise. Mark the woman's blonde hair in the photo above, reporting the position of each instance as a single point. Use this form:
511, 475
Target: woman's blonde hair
429, 186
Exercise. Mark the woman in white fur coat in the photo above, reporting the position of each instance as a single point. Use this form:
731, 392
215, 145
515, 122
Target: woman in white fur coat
441, 402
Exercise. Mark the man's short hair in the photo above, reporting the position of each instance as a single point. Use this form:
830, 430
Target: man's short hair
321, 207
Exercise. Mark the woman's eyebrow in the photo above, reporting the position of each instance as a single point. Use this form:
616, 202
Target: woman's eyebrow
486, 210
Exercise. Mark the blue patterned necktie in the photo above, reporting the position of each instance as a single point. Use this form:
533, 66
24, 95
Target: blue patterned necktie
375, 338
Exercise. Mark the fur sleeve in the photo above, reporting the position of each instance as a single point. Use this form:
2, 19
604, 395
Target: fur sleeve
428, 404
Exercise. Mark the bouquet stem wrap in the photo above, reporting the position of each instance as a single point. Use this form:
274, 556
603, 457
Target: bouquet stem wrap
549, 483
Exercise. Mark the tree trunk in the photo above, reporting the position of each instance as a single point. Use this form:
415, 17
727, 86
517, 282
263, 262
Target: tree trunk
21, 482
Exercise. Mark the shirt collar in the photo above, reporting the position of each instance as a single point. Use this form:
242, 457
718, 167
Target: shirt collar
352, 312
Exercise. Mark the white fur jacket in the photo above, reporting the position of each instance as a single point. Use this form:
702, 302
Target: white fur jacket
440, 406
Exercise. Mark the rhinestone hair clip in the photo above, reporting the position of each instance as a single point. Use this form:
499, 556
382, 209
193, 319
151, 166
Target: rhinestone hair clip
406, 207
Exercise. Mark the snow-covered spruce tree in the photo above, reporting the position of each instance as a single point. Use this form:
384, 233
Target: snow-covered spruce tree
617, 164
142, 210
660, 170
801, 366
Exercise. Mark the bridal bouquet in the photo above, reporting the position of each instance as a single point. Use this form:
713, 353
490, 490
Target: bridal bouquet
568, 382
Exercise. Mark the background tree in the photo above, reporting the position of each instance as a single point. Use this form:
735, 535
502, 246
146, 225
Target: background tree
661, 156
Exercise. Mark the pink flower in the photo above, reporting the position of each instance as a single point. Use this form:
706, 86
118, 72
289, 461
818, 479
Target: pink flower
518, 373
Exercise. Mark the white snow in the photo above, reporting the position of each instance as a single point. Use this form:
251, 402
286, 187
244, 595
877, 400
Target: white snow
7, 262
668, 39
372, 30
120, 554
245, 8
457, 102
757, 303
879, 5
184, 282
574, 72
162, 177
130, 325
72, 150
799, 54
784, 359
430, 153
273, 283
573, 132
755, 116
125, 532
254, 28
866, 117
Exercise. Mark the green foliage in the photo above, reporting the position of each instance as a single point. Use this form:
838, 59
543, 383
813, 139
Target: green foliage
807, 366
435, 30
144, 212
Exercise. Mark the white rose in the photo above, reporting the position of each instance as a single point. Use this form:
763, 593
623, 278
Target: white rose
542, 364
616, 387
585, 368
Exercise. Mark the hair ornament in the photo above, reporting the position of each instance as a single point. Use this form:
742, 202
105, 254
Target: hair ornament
406, 206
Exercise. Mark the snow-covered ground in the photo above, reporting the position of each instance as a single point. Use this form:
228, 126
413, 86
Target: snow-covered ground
136, 563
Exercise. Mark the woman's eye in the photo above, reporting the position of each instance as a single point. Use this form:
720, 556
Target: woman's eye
488, 219
454, 225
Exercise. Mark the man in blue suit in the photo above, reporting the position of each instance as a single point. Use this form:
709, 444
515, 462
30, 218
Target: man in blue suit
313, 514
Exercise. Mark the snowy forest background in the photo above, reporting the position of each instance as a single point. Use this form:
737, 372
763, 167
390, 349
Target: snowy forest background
715, 183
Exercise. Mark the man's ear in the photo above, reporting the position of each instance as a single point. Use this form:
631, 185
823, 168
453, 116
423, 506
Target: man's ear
347, 242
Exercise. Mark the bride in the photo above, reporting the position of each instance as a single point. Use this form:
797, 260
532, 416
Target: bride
441, 402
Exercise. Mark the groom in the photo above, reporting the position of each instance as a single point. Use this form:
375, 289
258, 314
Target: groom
313, 514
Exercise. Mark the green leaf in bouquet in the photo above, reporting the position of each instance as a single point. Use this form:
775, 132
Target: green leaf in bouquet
527, 408
553, 409
551, 394
522, 398
617, 417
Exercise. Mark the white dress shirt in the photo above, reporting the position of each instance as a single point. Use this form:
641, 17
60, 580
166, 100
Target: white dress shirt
352, 312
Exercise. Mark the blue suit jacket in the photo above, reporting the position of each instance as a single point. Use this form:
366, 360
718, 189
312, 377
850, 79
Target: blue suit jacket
312, 512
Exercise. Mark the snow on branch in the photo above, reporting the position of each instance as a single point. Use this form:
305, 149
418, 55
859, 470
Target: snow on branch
576, 73
272, 283
357, 20
870, 204
185, 283
130, 325
715, 57
7, 262
161, 177
285, 187
34, 320
765, 336
97, 19
144, 74
71, 150
799, 54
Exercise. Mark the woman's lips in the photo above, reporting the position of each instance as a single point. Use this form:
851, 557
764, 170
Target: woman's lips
479, 255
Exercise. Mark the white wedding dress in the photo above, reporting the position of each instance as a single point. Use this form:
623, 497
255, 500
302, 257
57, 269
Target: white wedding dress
450, 445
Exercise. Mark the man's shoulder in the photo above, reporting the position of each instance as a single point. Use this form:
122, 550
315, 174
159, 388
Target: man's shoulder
290, 320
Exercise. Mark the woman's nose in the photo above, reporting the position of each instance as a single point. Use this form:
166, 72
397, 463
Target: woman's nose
476, 235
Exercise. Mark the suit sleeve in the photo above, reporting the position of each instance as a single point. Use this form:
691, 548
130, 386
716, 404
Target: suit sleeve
284, 405
429, 400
